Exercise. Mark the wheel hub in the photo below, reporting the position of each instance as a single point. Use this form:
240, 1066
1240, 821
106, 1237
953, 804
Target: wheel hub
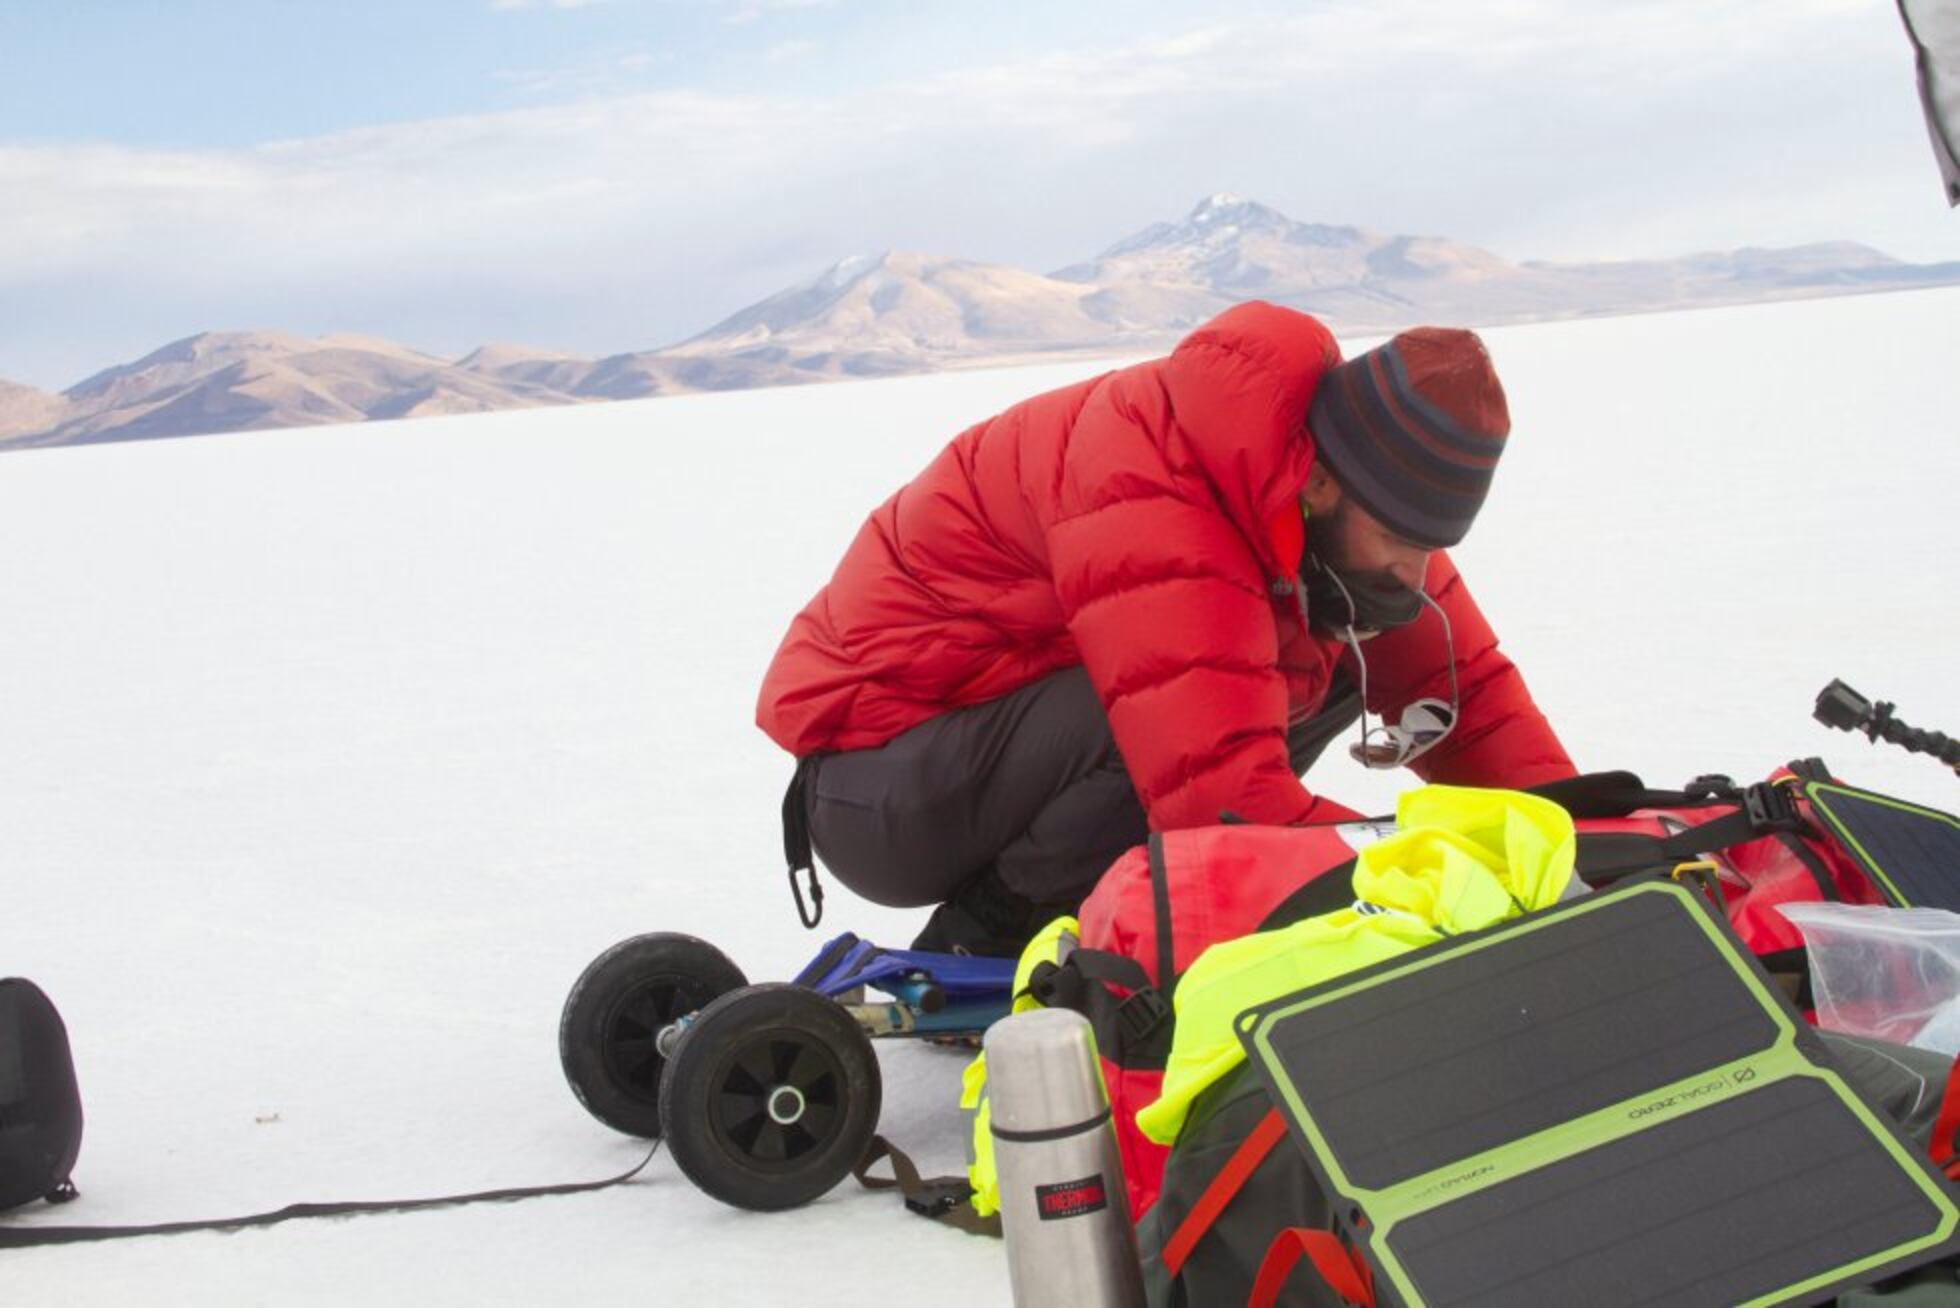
778, 1092
786, 1105
640, 1031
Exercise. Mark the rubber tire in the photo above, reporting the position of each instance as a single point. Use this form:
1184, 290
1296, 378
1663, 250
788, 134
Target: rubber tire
599, 1032
776, 1025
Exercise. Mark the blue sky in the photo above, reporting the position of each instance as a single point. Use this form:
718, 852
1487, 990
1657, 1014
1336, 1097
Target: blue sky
618, 174
210, 73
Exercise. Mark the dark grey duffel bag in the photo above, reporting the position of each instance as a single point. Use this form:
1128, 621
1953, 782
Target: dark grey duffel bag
40, 1106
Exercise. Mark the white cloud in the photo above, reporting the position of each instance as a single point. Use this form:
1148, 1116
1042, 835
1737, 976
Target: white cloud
506, 6
784, 52
622, 222
747, 11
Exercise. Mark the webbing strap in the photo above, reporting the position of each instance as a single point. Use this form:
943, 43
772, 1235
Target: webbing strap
1941, 1147
1346, 1274
1716, 834
1097, 965
1826, 887
21, 1237
1224, 1187
1616, 794
947, 1200
1160, 895
1132, 1031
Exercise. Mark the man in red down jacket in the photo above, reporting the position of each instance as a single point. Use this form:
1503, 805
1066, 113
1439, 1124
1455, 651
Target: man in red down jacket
1141, 602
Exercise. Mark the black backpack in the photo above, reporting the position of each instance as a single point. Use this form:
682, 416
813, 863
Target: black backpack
40, 1105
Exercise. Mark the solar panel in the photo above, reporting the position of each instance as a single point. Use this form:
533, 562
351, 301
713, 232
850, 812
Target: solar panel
1911, 853
1605, 1103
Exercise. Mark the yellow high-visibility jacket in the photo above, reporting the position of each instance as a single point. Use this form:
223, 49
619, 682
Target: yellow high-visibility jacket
1462, 859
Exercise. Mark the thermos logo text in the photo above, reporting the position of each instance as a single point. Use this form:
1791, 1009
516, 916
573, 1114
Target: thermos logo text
1071, 1198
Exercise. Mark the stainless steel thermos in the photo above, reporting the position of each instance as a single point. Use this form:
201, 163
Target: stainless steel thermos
1063, 1208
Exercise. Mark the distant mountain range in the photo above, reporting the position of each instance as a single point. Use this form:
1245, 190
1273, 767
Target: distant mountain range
899, 313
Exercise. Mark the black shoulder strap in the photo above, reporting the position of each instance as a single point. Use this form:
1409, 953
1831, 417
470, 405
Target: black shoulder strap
1616, 794
21, 1237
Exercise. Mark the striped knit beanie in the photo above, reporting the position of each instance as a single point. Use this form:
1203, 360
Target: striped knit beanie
1412, 429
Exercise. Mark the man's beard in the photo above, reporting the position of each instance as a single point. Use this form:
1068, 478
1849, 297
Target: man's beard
1340, 598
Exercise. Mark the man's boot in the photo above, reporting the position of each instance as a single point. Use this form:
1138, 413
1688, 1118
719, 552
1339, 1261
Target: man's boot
985, 918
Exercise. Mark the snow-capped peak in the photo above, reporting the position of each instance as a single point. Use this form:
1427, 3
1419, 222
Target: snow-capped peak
1212, 205
1217, 224
849, 269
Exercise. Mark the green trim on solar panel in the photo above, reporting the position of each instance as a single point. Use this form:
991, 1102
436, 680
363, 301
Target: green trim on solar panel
1777, 1060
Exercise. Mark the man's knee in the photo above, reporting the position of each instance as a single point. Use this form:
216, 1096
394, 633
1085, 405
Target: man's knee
874, 837
1066, 717
908, 822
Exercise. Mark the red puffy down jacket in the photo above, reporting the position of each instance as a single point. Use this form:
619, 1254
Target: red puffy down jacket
1145, 525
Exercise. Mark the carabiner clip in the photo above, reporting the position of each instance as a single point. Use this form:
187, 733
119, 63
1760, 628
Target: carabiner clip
1705, 873
813, 913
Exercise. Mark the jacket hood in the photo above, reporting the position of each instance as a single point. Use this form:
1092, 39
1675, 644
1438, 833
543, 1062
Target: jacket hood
1260, 359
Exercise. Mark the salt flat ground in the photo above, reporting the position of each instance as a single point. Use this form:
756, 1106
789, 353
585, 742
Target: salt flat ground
329, 757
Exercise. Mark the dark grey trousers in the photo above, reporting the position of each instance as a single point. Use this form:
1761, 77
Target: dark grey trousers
1029, 785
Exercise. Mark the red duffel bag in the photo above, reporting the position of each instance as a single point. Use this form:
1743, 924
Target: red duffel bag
1162, 904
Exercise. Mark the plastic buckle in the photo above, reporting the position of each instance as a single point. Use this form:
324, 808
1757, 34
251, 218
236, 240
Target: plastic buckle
938, 1197
1711, 785
1043, 984
1142, 1013
1770, 808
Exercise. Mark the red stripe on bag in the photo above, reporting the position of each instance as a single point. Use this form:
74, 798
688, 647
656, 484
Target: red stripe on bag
1940, 1147
1230, 1180
1345, 1273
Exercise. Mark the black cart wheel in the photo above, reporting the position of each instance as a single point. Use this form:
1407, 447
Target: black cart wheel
619, 1022
771, 1097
